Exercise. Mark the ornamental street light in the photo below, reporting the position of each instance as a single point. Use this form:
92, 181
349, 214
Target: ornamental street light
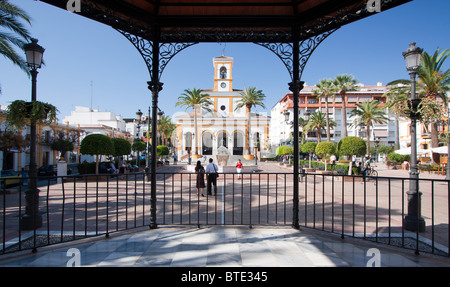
149, 121
32, 219
413, 220
138, 125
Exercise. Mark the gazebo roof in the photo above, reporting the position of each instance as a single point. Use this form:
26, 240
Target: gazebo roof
226, 20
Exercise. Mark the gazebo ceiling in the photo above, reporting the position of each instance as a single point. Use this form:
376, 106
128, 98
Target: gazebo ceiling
226, 20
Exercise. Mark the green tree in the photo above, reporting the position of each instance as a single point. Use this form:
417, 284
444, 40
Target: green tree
350, 146
250, 97
195, 99
97, 144
13, 139
121, 147
62, 143
433, 82
396, 101
344, 83
284, 150
162, 150
138, 146
318, 121
324, 149
13, 33
165, 128
325, 89
302, 126
63, 146
436, 84
385, 149
309, 147
366, 114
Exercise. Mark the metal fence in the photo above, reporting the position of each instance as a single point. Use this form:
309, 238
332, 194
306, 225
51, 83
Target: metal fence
366, 208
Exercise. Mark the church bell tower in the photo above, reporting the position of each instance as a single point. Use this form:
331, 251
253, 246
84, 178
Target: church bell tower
223, 80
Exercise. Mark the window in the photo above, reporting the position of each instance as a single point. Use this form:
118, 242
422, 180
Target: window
223, 72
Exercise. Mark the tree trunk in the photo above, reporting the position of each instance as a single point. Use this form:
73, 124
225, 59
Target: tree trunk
195, 131
397, 127
434, 135
435, 141
248, 130
328, 119
368, 139
344, 114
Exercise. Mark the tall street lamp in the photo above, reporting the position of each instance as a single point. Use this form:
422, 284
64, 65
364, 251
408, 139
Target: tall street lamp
138, 123
149, 121
32, 219
413, 220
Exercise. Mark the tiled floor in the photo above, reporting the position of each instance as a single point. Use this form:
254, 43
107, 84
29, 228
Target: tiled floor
220, 247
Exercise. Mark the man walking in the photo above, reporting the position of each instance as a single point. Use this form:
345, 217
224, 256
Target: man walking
211, 171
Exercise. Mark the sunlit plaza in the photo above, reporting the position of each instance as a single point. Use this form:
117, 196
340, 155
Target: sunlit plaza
237, 144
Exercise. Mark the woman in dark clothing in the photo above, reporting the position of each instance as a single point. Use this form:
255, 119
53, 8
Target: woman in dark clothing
200, 171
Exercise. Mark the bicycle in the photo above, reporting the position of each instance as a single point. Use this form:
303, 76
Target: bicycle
371, 172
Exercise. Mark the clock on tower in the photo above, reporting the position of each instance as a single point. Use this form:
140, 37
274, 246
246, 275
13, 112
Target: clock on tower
223, 80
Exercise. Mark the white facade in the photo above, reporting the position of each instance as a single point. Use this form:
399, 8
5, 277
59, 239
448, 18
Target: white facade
87, 117
281, 130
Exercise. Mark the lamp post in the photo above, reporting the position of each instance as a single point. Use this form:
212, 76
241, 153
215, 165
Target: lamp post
32, 219
149, 121
159, 116
413, 220
138, 121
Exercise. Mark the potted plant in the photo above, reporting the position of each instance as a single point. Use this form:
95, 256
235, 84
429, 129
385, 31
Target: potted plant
20, 112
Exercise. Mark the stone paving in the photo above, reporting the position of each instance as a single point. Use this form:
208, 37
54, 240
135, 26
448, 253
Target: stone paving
227, 245
220, 247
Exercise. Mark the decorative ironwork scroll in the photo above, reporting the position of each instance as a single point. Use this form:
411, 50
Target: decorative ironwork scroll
166, 51
284, 51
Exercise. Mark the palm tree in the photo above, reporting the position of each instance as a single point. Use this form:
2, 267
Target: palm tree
432, 83
344, 83
435, 82
302, 126
325, 89
318, 121
10, 17
396, 98
250, 97
366, 114
165, 128
195, 99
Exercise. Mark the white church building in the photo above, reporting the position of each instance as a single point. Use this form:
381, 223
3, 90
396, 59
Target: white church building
224, 126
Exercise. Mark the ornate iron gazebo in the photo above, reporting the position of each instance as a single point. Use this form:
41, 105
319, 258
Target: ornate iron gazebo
292, 29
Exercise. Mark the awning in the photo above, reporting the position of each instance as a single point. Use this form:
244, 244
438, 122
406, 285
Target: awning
380, 133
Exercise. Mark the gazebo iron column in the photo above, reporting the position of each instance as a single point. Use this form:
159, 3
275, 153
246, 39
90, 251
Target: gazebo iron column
156, 56
295, 56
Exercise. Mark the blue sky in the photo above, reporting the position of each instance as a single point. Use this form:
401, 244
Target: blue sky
88, 62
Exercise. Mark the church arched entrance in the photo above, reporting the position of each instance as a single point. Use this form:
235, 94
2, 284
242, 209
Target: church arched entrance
207, 143
222, 139
238, 143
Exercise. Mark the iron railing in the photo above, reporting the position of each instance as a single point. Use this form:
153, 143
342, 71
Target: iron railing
367, 208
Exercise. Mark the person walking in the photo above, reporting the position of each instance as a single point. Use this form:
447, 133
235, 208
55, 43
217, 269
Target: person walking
239, 168
211, 171
122, 167
200, 171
